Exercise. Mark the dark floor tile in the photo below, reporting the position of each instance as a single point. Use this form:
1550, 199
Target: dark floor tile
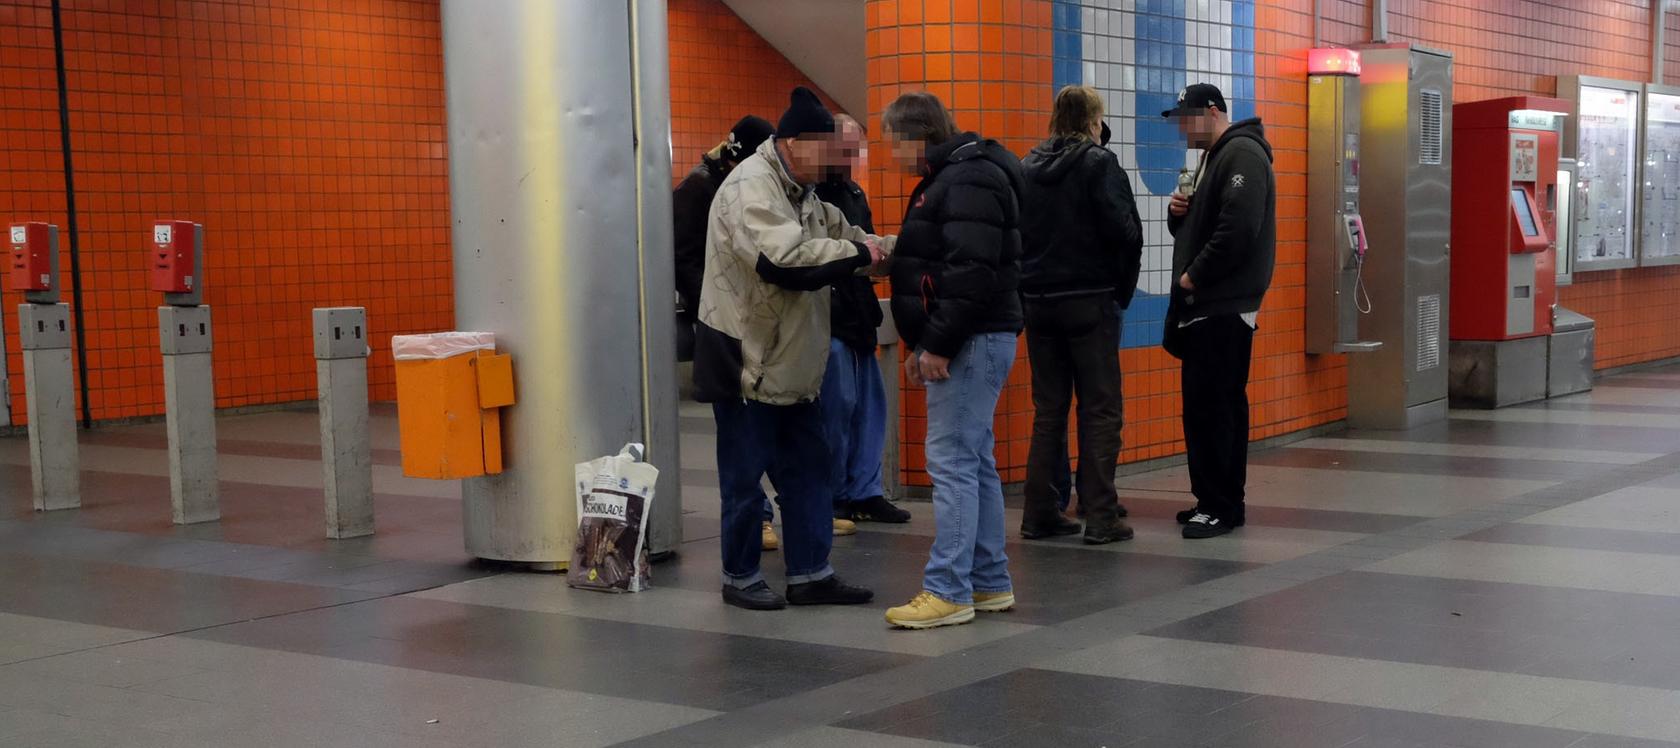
668, 664
1421, 464
1639, 439
1612, 741
1600, 407
1057, 582
1586, 538
147, 599
1152, 507
1566, 633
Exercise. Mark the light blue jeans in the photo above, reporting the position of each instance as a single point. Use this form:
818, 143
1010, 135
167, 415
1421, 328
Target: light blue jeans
967, 554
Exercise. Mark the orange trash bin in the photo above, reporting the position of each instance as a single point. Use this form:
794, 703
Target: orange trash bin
451, 387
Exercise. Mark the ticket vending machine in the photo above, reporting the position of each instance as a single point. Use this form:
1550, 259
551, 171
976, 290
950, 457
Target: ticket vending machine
1504, 260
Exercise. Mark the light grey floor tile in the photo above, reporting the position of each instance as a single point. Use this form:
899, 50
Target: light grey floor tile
1398, 446
101, 667
835, 737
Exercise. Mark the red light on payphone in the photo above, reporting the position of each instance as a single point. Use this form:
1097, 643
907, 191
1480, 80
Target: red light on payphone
1333, 62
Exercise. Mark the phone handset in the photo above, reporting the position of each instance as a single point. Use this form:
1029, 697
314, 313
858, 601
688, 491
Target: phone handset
1356, 242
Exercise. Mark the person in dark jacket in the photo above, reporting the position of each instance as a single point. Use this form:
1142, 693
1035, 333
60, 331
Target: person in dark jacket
1224, 246
1082, 250
691, 203
854, 398
956, 301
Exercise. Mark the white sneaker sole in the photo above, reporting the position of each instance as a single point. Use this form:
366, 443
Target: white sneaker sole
955, 619
996, 605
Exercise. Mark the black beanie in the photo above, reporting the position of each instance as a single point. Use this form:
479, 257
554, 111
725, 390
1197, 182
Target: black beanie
746, 136
805, 113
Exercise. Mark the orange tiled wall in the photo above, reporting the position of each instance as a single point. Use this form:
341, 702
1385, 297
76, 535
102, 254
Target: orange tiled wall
31, 162
989, 61
308, 138
721, 70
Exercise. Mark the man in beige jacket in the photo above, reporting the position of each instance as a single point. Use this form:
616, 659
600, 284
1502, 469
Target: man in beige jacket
761, 347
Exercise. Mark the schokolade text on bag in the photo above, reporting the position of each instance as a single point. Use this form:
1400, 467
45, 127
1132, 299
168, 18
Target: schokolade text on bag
613, 497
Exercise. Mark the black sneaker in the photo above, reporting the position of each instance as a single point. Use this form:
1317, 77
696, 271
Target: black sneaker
1185, 516
877, 509
1111, 534
1120, 510
1059, 525
757, 597
830, 591
1202, 527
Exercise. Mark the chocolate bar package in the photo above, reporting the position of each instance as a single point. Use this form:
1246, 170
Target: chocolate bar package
613, 498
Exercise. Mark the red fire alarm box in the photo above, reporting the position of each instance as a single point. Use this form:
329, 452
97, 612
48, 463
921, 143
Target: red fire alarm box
1504, 217
177, 265
34, 261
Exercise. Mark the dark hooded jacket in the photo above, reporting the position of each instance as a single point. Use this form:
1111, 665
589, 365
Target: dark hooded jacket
1227, 242
691, 205
1079, 223
956, 271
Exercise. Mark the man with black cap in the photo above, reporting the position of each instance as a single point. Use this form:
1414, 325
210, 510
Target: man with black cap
761, 350
1224, 228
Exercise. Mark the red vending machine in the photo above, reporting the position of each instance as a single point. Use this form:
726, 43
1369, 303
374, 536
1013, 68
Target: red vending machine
1504, 266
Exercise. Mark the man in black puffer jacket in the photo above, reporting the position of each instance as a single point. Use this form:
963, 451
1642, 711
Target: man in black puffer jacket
691, 205
1083, 250
1224, 245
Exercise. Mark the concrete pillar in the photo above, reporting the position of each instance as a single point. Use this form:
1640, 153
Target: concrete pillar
189, 390
341, 352
49, 391
560, 179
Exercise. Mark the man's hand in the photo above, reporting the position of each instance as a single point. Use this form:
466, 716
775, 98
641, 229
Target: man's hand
913, 369
1180, 205
935, 368
1184, 282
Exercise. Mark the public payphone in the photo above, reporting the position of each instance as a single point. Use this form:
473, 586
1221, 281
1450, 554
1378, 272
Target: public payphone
1336, 240
1504, 227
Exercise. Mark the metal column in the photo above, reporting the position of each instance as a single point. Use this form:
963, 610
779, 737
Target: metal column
341, 353
560, 172
189, 390
54, 460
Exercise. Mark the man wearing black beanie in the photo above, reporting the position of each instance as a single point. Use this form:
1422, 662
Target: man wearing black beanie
761, 349
691, 203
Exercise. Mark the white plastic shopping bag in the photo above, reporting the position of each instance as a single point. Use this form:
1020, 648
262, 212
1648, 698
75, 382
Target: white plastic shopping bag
614, 497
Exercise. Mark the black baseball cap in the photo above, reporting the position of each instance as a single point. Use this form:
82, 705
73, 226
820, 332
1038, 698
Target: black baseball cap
1196, 99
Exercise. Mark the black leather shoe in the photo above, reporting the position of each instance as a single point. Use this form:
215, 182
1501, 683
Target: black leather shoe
877, 509
830, 591
1120, 510
757, 597
1111, 534
1057, 526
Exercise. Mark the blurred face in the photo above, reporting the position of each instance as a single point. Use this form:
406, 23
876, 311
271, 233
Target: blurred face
1199, 129
845, 149
907, 154
806, 156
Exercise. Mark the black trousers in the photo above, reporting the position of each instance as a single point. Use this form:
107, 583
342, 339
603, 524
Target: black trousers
1074, 346
1215, 353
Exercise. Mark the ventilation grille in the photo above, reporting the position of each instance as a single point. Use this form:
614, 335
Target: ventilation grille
1429, 130
1428, 332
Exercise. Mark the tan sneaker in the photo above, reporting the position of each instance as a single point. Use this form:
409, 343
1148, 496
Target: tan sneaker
844, 527
926, 611
994, 602
770, 542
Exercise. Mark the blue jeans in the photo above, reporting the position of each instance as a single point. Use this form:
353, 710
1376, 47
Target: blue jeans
854, 408
782, 440
967, 554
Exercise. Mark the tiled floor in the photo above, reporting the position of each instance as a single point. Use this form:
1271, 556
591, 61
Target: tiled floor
1507, 578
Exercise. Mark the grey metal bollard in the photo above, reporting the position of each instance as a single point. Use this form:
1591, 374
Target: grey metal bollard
189, 388
341, 352
54, 458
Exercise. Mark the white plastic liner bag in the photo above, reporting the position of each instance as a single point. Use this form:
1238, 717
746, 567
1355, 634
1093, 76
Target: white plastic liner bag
614, 497
440, 345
